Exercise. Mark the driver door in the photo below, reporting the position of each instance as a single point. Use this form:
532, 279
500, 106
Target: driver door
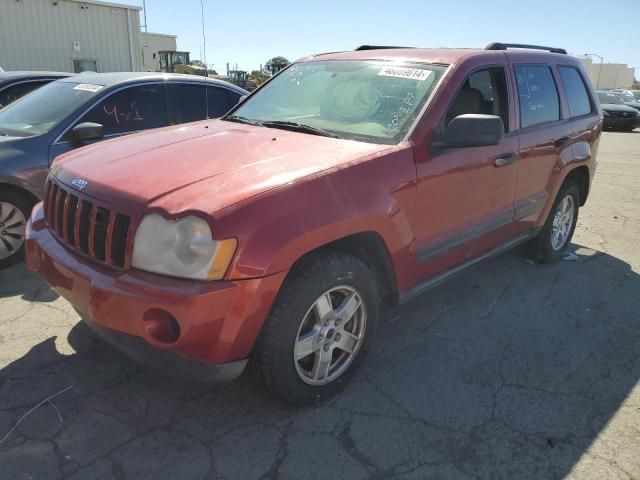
131, 109
465, 195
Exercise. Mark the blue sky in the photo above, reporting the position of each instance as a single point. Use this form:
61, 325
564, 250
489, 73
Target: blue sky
250, 32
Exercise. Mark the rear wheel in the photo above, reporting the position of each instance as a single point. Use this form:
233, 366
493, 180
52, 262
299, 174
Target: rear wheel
15, 209
555, 236
319, 329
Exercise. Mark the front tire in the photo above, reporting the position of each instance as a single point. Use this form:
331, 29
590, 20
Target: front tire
15, 209
319, 329
552, 241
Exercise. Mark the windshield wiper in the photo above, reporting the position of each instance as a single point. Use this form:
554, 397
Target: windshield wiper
299, 127
241, 119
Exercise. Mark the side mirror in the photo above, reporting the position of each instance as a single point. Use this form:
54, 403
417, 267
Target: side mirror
86, 131
474, 130
242, 99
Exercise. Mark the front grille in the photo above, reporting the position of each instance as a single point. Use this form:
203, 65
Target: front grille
623, 114
95, 231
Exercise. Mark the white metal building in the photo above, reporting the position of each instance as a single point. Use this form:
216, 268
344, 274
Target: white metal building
152, 43
607, 76
69, 35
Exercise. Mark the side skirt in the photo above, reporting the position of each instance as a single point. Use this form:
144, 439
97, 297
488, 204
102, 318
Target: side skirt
439, 278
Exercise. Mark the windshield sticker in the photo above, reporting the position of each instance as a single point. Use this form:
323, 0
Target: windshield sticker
88, 87
406, 72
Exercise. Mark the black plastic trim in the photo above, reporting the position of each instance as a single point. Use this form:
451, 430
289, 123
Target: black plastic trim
506, 46
166, 362
528, 208
439, 278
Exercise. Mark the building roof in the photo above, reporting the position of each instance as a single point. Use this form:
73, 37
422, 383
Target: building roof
108, 4
159, 34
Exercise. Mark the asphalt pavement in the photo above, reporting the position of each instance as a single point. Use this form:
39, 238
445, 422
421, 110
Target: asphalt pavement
511, 370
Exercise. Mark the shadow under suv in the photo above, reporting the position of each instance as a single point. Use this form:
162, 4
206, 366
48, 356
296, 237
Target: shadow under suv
274, 234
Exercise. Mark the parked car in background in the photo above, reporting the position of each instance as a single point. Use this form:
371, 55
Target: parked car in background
14, 85
84, 109
636, 94
348, 179
617, 115
627, 97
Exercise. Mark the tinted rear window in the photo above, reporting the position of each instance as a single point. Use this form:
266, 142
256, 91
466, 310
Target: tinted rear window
538, 95
579, 103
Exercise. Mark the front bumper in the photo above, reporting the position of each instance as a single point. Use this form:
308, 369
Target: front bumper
218, 321
621, 123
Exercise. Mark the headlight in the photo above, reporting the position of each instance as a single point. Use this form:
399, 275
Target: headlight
181, 248
605, 113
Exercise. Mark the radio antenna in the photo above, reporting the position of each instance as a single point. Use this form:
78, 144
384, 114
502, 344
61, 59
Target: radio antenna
206, 69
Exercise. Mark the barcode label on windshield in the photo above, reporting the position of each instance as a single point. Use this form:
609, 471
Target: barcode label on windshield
88, 87
404, 72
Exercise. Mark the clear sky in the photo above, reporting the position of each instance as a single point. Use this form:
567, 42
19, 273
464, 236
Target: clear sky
250, 32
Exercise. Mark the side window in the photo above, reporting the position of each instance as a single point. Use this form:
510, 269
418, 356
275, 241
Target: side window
220, 101
14, 92
579, 102
538, 95
484, 92
189, 102
135, 108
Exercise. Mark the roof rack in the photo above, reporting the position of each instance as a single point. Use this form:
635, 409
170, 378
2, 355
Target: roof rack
375, 47
505, 46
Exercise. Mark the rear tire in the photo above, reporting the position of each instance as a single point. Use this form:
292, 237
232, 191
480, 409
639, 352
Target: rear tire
552, 241
319, 329
15, 210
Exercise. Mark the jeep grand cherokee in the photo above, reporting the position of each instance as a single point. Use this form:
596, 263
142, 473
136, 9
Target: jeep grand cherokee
273, 235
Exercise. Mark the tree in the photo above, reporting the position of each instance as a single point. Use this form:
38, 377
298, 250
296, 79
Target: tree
257, 75
276, 64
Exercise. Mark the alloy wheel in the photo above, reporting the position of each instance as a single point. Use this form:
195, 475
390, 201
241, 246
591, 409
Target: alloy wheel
562, 222
330, 335
12, 229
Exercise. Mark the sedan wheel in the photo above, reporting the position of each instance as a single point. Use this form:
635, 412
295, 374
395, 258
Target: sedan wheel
12, 229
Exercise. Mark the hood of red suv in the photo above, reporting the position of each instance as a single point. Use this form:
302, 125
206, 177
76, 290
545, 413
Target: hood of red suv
202, 166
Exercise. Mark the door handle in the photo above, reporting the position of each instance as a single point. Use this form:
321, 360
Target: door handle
505, 159
561, 142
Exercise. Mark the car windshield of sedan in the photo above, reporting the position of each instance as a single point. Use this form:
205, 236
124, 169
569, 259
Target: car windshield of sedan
609, 98
626, 97
41, 110
358, 100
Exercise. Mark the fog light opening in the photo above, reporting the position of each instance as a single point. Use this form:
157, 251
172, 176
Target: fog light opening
161, 325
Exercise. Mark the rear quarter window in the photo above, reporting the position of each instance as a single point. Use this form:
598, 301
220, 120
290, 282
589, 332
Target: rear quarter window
579, 101
537, 94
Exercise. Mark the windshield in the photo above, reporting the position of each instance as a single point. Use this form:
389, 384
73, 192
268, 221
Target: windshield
626, 97
358, 100
609, 98
42, 109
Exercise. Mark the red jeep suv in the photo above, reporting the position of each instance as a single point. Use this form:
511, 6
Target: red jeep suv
273, 235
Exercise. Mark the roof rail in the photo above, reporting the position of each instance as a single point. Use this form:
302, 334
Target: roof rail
505, 46
376, 47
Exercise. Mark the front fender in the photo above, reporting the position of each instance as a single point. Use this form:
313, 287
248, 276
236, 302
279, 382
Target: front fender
275, 230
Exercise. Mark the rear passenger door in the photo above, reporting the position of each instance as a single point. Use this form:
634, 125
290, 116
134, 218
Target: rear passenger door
544, 139
188, 101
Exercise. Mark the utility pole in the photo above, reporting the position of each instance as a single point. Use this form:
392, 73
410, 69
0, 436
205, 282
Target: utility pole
599, 70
